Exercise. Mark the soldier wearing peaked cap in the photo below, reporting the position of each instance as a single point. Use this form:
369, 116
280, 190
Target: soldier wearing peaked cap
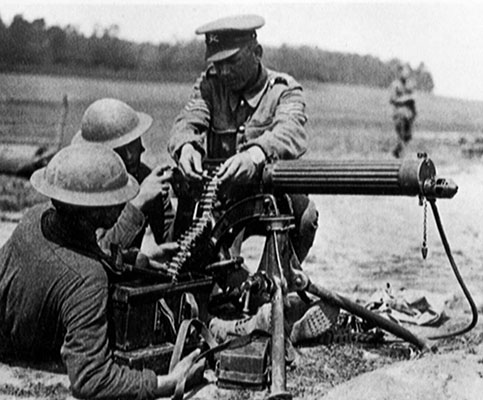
244, 113
248, 115
225, 37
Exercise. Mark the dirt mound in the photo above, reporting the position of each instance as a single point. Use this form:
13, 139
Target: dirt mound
452, 376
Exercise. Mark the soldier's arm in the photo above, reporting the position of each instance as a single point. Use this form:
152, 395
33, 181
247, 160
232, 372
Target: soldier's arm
86, 353
286, 138
193, 121
125, 230
88, 357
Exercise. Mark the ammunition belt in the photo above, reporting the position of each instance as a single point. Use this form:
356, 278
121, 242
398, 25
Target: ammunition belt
200, 227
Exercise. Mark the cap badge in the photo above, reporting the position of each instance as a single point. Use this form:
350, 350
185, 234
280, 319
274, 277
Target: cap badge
213, 38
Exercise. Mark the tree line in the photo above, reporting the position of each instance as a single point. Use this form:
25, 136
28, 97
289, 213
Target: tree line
34, 47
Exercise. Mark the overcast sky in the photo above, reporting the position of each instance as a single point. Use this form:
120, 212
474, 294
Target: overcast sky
446, 36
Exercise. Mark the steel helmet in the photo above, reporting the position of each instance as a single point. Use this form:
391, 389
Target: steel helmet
86, 175
112, 123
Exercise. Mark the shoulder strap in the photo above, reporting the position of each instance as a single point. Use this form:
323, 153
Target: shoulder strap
188, 307
183, 332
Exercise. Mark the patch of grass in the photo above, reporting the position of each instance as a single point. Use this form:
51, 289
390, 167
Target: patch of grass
342, 120
332, 365
17, 194
38, 389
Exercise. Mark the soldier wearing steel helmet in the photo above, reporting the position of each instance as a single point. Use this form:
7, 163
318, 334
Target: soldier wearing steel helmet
54, 283
115, 124
245, 113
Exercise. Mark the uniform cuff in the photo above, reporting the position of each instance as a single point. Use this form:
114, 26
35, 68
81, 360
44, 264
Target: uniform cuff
257, 154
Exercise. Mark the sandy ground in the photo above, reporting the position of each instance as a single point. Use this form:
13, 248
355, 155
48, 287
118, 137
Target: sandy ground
362, 244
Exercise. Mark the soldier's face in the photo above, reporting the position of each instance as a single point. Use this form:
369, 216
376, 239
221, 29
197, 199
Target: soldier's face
106, 217
238, 70
99, 217
131, 155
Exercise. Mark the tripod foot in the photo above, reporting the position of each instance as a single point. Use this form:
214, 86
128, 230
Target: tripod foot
280, 396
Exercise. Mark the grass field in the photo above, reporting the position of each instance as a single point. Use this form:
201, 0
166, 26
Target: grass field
344, 121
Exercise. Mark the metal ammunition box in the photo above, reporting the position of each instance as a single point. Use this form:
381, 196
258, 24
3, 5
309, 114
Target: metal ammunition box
137, 310
245, 367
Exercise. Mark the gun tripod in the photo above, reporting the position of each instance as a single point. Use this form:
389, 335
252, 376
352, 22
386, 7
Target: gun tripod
280, 266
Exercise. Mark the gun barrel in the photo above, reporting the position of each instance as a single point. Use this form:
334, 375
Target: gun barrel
409, 177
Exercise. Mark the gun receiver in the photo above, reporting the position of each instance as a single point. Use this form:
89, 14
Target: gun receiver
409, 177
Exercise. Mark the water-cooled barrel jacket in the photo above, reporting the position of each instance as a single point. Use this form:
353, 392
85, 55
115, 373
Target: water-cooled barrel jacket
53, 301
272, 112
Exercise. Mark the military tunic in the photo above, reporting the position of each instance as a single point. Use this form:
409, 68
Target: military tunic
270, 114
53, 302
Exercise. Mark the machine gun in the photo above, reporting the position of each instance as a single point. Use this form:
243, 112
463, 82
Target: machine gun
279, 269
212, 231
206, 243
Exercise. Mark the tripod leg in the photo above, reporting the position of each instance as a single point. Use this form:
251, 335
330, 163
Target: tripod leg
278, 390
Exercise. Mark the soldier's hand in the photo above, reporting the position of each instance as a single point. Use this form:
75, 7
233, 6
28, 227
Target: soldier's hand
156, 184
188, 369
190, 162
161, 253
242, 167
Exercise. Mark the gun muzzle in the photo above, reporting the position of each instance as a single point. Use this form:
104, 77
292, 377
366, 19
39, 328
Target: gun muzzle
408, 177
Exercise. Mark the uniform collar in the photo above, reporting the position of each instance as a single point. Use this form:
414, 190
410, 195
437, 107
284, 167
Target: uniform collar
253, 94
63, 231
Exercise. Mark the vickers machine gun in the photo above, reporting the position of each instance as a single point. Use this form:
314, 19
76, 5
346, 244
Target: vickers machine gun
206, 244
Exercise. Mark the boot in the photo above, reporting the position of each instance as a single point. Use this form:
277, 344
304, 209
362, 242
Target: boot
317, 319
262, 320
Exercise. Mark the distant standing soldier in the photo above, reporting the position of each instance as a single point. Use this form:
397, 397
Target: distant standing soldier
404, 108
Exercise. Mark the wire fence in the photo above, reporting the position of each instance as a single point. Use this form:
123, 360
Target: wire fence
33, 121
